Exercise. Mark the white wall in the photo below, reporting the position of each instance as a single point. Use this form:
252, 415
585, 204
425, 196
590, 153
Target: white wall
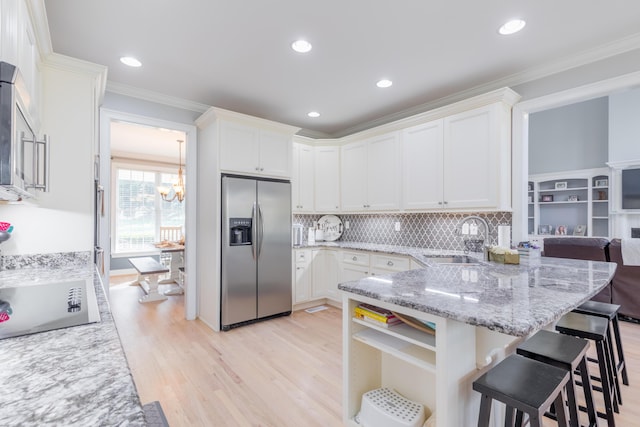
624, 126
61, 220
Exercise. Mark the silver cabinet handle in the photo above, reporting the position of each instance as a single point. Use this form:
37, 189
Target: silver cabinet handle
390, 263
261, 169
446, 203
439, 203
257, 168
354, 258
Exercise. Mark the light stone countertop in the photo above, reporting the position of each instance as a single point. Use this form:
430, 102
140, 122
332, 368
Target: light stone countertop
76, 376
513, 299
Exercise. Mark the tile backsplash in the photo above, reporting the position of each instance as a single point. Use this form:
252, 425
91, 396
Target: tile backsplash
425, 230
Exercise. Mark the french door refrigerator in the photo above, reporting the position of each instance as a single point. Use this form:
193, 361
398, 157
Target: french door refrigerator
256, 250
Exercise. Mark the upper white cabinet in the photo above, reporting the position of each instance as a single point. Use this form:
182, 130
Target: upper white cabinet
303, 178
462, 161
327, 178
370, 174
18, 47
422, 166
251, 150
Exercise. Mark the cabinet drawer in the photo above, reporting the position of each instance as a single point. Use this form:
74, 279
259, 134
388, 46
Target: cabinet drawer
389, 262
356, 258
302, 257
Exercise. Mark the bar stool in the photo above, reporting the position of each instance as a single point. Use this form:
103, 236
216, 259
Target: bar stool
595, 329
568, 353
525, 386
610, 311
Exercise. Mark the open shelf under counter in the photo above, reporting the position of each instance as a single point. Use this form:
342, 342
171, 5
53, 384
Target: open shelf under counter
401, 348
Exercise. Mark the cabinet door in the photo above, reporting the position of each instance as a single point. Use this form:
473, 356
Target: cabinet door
303, 177
354, 177
470, 160
422, 166
239, 148
275, 154
303, 276
350, 272
327, 179
332, 274
383, 172
319, 282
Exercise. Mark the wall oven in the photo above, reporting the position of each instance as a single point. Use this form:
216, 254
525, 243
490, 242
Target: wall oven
24, 159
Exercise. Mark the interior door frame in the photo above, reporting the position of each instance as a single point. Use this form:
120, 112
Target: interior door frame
106, 117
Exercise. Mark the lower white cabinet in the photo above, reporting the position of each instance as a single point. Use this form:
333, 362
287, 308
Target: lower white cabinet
325, 274
302, 275
317, 272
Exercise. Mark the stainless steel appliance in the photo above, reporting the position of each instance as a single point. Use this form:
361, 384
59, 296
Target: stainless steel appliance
256, 250
38, 308
23, 158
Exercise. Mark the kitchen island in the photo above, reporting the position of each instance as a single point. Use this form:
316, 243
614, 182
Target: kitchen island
481, 312
76, 376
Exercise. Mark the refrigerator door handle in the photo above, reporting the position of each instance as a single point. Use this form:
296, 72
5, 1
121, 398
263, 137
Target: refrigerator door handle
254, 231
260, 230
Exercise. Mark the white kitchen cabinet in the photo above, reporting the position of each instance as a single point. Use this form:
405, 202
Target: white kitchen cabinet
477, 159
370, 172
302, 181
354, 266
303, 275
255, 151
325, 269
422, 166
387, 264
18, 47
460, 162
327, 178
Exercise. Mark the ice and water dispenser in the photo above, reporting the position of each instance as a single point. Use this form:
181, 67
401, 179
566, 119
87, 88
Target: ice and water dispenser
240, 231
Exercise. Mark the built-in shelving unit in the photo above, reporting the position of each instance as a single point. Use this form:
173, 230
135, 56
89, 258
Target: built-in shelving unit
433, 370
570, 203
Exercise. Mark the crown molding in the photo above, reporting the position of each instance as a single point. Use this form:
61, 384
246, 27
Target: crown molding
156, 97
38, 16
214, 113
598, 53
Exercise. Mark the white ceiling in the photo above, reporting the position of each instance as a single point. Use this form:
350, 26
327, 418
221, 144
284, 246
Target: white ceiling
146, 143
236, 54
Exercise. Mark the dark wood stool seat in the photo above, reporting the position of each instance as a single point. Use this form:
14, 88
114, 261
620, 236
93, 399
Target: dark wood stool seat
525, 386
569, 353
610, 311
596, 329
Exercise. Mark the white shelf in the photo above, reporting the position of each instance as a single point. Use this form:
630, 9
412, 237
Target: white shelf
402, 349
600, 201
404, 332
562, 190
600, 217
562, 202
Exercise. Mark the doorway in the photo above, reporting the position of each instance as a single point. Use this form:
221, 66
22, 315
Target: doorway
138, 154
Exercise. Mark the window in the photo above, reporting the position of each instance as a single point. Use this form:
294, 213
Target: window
139, 208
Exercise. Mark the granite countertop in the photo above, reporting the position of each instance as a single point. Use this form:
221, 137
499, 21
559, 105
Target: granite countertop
76, 376
513, 299
419, 254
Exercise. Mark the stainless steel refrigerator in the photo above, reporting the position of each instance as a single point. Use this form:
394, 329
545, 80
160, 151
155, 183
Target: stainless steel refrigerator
256, 250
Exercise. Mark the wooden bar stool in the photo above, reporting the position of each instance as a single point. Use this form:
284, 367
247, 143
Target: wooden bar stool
595, 329
570, 354
525, 386
610, 311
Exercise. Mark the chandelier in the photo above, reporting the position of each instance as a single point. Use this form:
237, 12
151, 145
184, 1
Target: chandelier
176, 191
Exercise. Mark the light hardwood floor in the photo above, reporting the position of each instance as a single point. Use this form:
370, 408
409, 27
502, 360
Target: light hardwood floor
283, 372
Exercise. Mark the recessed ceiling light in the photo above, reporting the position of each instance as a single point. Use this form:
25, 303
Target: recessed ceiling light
301, 46
130, 61
384, 83
313, 114
512, 26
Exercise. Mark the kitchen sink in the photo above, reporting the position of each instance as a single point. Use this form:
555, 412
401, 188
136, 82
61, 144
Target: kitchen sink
452, 259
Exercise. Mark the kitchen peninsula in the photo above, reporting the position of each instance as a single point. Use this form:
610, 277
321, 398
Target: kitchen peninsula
480, 311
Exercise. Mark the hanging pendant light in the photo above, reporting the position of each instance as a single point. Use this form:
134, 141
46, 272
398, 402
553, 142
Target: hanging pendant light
176, 191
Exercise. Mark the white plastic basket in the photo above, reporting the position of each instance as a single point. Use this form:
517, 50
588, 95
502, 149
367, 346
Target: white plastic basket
384, 407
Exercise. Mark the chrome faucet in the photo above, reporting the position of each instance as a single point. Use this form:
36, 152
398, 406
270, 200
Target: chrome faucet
476, 245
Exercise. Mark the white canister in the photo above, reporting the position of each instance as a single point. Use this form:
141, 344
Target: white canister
319, 235
311, 239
